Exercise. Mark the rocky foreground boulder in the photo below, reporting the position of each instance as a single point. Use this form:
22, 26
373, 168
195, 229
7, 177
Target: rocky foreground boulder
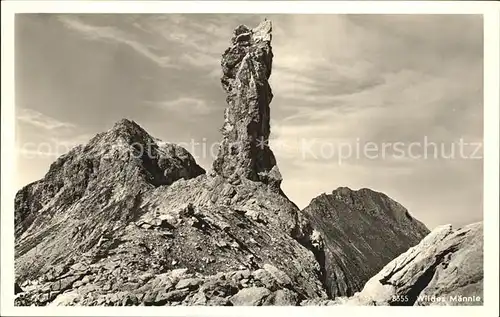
264, 286
130, 220
445, 268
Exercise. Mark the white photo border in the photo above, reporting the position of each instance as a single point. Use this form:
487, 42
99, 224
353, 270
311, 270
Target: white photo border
490, 10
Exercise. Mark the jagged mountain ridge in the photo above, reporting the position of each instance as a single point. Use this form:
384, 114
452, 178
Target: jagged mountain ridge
111, 224
202, 223
208, 224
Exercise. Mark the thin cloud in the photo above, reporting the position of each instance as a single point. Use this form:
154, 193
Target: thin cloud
71, 142
53, 146
32, 154
200, 35
202, 40
202, 60
183, 105
115, 35
40, 120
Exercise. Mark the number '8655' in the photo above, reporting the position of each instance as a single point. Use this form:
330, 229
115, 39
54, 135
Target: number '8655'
400, 298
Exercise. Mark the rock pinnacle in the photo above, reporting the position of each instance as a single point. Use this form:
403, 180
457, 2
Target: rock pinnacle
246, 66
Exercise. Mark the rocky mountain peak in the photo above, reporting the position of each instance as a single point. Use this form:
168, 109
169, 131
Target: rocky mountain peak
359, 221
125, 123
124, 159
127, 126
125, 132
246, 67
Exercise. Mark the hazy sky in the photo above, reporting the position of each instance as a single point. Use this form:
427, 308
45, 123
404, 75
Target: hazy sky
339, 81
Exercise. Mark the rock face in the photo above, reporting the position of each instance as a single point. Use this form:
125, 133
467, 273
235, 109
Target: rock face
129, 220
445, 268
113, 215
360, 232
246, 66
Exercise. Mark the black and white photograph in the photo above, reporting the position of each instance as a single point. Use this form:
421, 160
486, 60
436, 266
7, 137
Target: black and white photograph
248, 159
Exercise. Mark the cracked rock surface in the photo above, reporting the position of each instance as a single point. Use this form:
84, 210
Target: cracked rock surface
93, 287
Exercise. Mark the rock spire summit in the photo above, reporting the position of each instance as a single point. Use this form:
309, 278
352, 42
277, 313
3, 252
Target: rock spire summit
246, 67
